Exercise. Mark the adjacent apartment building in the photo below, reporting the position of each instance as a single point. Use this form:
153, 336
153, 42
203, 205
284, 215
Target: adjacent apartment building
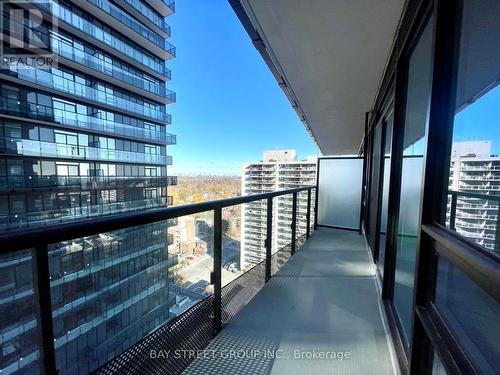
279, 169
473, 169
78, 139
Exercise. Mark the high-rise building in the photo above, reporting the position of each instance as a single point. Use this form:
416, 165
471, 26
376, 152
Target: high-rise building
82, 138
474, 170
278, 170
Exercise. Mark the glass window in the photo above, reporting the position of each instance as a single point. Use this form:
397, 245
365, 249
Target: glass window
72, 139
385, 192
475, 160
13, 130
85, 169
48, 168
47, 134
60, 138
33, 133
3, 168
472, 315
15, 167
119, 170
4, 205
83, 139
417, 98
35, 202
17, 203
376, 170
437, 366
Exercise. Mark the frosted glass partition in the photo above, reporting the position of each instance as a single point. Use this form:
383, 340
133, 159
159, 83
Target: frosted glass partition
339, 200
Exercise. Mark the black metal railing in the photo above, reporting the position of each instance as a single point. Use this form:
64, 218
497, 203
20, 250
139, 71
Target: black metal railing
191, 330
476, 216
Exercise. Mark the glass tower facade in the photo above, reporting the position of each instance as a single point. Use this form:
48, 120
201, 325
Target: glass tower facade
80, 139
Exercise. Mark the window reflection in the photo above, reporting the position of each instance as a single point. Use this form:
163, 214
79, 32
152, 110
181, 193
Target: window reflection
417, 97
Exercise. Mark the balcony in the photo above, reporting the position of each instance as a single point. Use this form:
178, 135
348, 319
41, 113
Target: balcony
129, 50
328, 286
26, 147
68, 116
96, 92
333, 273
146, 11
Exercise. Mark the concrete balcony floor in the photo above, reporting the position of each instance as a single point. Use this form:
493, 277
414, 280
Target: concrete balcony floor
324, 300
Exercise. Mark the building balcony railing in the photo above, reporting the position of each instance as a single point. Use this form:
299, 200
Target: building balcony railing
170, 4
95, 62
27, 147
151, 15
483, 178
59, 215
481, 168
91, 93
23, 109
485, 187
131, 23
102, 234
82, 183
129, 49
475, 227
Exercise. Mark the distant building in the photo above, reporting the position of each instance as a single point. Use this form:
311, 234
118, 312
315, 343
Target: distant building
279, 169
80, 140
474, 170
185, 239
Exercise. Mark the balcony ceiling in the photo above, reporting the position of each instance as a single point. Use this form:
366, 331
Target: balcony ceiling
330, 56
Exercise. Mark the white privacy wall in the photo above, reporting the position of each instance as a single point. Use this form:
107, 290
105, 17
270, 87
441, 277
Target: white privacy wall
339, 200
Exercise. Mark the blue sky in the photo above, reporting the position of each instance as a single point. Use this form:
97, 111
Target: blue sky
481, 121
229, 107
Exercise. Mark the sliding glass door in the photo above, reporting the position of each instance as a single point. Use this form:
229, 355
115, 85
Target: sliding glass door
414, 143
385, 176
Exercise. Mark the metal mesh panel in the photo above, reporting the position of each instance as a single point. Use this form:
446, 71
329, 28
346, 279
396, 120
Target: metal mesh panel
239, 292
300, 241
192, 330
279, 258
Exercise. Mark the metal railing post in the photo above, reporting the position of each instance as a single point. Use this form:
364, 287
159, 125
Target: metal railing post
294, 222
217, 279
308, 214
453, 211
42, 290
269, 237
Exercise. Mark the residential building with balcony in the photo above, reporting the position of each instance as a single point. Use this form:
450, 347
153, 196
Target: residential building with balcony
383, 282
85, 138
278, 170
473, 169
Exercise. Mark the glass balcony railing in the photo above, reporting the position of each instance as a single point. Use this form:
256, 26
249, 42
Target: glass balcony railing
41, 218
99, 64
83, 182
170, 4
15, 107
102, 96
150, 14
130, 22
115, 280
27, 147
68, 47
66, 15
476, 217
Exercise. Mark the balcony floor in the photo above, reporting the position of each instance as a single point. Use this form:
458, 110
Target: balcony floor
324, 299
